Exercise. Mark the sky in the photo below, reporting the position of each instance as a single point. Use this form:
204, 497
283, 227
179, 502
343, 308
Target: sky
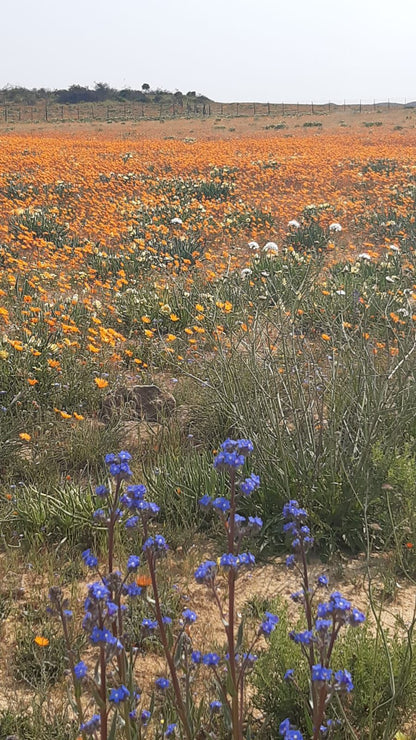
229, 50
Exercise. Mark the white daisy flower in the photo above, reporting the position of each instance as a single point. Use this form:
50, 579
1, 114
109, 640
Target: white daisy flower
177, 221
271, 248
364, 256
394, 248
246, 272
340, 292
294, 223
335, 227
253, 245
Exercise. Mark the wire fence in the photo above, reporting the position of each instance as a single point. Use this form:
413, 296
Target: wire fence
113, 112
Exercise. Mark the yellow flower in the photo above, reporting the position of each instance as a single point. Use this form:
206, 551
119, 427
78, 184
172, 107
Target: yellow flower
326, 337
26, 437
3, 354
78, 417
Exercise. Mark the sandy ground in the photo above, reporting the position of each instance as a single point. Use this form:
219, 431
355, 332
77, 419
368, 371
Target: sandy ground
226, 128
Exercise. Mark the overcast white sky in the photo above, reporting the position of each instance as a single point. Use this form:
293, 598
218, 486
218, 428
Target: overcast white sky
253, 50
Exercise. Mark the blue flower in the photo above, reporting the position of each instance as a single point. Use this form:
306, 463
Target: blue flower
284, 727
323, 625
149, 624
246, 559
269, 624
228, 560
90, 727
162, 683
343, 681
189, 616
118, 695
156, 544
170, 730
323, 580
320, 673
138, 490
110, 458
196, 656
291, 510
132, 590
90, 560
124, 456
101, 491
221, 503
290, 561
167, 620
250, 484
133, 563
302, 638
145, 717
215, 707
205, 501
99, 515
356, 618
255, 523
80, 670
206, 572
98, 592
288, 675
211, 659
132, 522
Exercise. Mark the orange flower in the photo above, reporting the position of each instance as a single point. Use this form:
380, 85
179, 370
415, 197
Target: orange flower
32, 381
26, 437
326, 337
143, 581
41, 641
78, 417
101, 382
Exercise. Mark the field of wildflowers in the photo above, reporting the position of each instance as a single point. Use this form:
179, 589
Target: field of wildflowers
159, 296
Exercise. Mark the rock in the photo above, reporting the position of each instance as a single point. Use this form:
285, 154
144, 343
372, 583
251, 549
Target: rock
145, 402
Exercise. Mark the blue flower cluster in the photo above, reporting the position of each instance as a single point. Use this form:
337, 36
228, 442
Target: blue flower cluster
118, 465
340, 611
295, 527
269, 623
288, 732
232, 454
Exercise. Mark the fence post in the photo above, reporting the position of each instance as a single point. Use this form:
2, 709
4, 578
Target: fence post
268, 109
221, 109
283, 109
297, 109
312, 108
254, 109
46, 111
360, 106
237, 110
62, 112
